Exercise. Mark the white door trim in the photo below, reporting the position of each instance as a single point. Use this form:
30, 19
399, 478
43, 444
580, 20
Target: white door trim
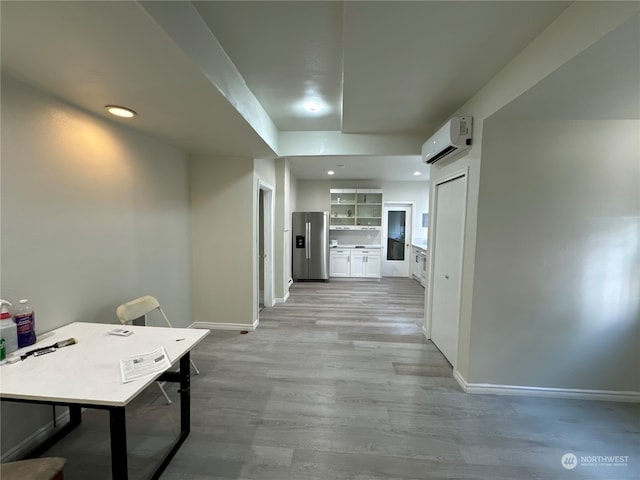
433, 220
268, 205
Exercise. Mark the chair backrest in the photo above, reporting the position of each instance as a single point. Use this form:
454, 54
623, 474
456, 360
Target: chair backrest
127, 312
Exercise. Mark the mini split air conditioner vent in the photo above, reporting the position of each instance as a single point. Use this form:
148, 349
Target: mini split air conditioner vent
453, 137
449, 150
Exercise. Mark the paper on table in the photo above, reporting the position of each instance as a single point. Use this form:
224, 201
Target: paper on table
139, 366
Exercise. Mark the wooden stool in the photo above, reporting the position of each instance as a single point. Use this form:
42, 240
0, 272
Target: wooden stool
47, 468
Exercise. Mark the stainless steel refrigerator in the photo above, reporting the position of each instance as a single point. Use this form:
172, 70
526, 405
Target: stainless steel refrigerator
310, 246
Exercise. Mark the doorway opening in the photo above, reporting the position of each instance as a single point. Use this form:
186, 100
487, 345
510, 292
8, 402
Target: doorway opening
263, 283
260, 250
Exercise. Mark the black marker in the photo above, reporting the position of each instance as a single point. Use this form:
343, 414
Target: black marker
49, 348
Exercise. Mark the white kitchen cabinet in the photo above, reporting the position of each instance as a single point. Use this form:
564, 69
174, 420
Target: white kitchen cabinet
425, 268
365, 263
355, 263
343, 209
419, 265
339, 265
415, 262
373, 263
355, 209
369, 209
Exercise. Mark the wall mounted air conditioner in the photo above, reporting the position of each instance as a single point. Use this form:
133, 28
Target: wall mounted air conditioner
450, 139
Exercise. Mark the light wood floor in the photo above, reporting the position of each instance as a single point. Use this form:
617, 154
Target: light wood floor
339, 383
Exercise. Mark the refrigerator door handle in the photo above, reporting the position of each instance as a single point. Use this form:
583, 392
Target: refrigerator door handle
308, 242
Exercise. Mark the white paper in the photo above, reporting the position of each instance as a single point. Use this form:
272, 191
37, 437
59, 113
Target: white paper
139, 366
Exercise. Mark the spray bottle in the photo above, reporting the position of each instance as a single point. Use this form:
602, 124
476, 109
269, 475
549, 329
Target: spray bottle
25, 319
8, 330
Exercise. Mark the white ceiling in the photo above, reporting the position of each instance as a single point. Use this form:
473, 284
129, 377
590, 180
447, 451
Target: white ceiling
381, 67
391, 66
361, 167
285, 51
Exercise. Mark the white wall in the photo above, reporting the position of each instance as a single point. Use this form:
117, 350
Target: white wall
293, 196
558, 255
93, 215
265, 170
290, 208
282, 230
223, 237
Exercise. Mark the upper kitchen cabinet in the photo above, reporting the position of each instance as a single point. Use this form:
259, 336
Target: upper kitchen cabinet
356, 209
343, 209
369, 208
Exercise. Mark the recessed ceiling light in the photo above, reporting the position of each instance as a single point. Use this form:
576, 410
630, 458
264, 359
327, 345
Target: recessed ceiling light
331, 172
312, 106
120, 111
416, 173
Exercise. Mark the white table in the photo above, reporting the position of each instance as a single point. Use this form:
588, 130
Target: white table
87, 375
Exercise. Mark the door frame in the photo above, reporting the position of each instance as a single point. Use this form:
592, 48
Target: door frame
384, 231
433, 221
268, 209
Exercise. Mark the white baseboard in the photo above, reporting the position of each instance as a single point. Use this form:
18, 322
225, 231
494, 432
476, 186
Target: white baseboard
22, 448
424, 332
282, 300
568, 393
225, 326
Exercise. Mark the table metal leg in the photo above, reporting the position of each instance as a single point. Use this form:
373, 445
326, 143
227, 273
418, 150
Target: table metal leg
75, 415
185, 395
183, 377
117, 425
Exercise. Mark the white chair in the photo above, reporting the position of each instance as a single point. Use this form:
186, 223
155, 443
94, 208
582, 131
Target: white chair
135, 313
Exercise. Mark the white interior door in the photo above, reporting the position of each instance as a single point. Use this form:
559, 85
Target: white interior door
448, 242
396, 228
